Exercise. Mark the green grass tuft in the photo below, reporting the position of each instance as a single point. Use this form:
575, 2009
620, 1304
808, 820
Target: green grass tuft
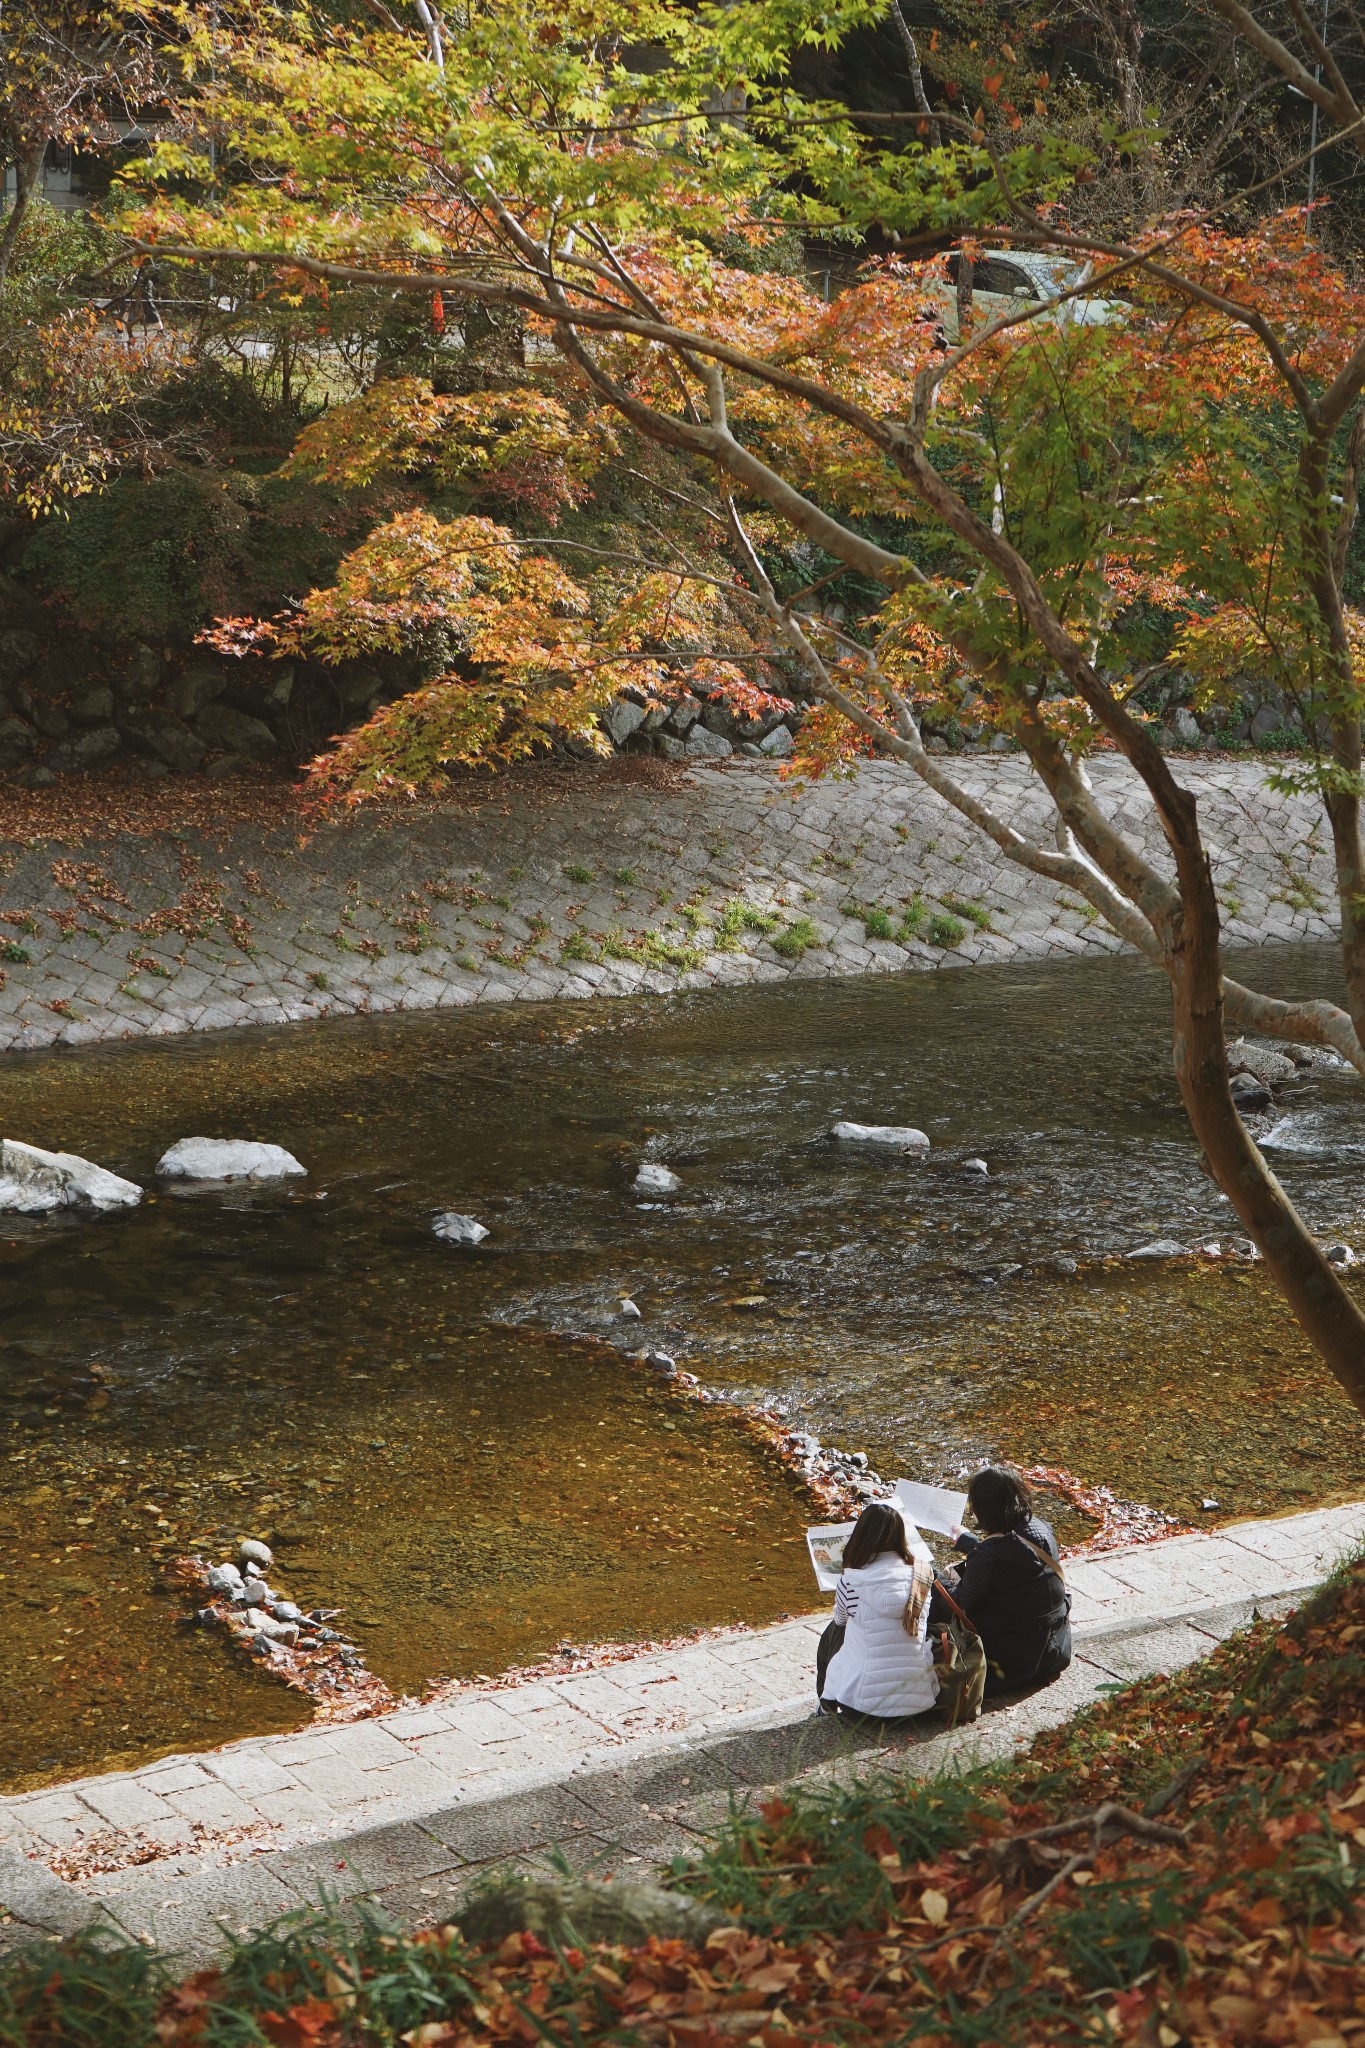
797, 940
945, 930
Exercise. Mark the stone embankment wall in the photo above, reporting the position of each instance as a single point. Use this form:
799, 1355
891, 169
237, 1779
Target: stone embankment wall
728, 876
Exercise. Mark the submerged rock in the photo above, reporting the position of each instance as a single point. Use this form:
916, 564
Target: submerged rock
454, 1228
898, 1137
227, 1159
651, 1179
34, 1182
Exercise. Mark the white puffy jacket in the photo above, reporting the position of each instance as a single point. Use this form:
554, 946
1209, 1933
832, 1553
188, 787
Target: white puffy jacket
880, 1669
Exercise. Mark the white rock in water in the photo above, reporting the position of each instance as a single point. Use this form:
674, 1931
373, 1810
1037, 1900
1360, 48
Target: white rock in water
1340, 1255
252, 1551
630, 1309
1159, 1248
255, 1592
904, 1137
225, 1578
34, 1182
227, 1159
975, 1166
453, 1228
656, 1180
274, 1631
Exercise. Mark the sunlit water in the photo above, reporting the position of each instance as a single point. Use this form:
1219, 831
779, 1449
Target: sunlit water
457, 1446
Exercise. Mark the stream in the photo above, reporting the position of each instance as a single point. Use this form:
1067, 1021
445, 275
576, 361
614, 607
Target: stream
457, 1448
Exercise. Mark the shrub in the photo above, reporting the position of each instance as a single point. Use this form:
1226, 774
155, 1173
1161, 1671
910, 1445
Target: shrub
173, 552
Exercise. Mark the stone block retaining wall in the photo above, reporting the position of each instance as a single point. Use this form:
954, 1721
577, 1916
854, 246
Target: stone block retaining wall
730, 875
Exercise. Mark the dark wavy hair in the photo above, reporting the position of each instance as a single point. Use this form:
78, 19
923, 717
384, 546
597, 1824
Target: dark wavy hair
999, 1500
878, 1528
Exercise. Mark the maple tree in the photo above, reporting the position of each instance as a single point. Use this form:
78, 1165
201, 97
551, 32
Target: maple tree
1006, 507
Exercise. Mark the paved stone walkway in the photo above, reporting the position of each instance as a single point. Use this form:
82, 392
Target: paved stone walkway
607, 889
610, 1769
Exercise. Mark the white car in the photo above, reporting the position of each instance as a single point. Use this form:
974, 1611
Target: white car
1005, 281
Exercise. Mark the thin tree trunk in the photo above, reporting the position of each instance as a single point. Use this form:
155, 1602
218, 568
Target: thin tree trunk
28, 163
917, 92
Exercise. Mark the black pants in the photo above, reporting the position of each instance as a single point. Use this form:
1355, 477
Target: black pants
831, 1642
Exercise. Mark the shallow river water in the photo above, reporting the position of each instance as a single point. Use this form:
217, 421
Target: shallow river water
457, 1448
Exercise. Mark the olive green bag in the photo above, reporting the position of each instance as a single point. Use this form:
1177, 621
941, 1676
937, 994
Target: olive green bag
960, 1662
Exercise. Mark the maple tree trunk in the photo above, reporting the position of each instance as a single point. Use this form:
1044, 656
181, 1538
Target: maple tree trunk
1326, 1313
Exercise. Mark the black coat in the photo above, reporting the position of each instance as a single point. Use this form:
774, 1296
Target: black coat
1018, 1606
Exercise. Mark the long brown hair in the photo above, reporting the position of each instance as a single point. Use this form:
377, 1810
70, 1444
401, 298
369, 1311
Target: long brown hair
878, 1529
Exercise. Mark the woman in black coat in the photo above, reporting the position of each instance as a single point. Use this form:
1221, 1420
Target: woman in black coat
1010, 1585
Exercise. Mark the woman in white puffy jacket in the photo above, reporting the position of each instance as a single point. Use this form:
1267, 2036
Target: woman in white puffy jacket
884, 1666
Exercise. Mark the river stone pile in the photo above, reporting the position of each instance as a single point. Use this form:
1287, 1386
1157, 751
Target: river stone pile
298, 1645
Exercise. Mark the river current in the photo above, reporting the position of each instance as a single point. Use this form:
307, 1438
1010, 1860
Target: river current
458, 1448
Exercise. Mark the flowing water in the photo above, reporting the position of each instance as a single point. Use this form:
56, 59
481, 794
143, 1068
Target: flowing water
458, 1447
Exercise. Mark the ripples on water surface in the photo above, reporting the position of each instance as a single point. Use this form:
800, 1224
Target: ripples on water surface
425, 1433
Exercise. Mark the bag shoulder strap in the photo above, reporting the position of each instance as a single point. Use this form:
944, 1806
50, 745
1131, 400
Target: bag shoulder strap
953, 1607
1043, 1556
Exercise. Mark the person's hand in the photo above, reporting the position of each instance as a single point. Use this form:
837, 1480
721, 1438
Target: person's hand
956, 1531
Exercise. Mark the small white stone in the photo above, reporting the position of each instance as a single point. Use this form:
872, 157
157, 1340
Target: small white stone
897, 1137
227, 1159
263, 1624
252, 1551
630, 1309
453, 1228
975, 1166
1159, 1248
651, 1179
225, 1578
34, 1182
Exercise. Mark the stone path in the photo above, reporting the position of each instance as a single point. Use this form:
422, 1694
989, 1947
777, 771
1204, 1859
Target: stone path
610, 1769
607, 889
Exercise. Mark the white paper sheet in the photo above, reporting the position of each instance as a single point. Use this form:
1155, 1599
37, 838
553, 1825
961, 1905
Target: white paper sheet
930, 1507
826, 1547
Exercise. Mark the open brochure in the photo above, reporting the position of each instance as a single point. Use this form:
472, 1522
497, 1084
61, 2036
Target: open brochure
826, 1547
924, 1507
